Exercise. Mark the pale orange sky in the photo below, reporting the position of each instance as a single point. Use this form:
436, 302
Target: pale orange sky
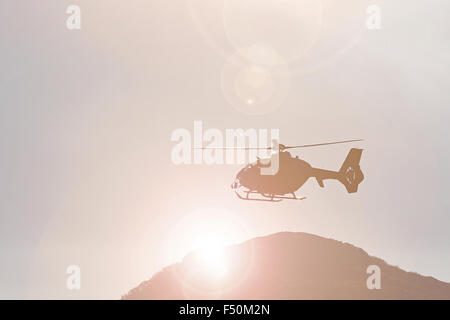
87, 116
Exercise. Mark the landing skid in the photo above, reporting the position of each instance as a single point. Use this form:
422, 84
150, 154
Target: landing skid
270, 198
294, 197
255, 199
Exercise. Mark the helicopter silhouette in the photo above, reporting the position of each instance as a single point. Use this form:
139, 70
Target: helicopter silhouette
292, 174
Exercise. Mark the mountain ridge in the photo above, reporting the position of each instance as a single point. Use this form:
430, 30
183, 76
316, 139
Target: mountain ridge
288, 265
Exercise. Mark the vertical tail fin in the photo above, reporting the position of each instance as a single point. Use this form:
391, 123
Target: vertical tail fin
350, 173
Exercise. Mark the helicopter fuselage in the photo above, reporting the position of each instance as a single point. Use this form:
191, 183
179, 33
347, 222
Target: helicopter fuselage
294, 172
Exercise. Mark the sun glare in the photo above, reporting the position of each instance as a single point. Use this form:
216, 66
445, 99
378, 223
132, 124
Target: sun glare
200, 241
211, 254
207, 233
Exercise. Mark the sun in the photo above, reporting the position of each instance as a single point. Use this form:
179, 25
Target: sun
200, 242
202, 238
211, 256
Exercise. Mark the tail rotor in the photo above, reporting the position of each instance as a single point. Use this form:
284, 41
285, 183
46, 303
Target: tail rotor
350, 173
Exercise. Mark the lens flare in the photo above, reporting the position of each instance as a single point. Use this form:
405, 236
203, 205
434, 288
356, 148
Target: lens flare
255, 80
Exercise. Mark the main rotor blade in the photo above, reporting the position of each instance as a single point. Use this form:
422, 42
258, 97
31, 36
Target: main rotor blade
280, 146
234, 148
320, 144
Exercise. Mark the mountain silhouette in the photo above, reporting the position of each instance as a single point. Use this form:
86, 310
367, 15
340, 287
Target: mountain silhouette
288, 266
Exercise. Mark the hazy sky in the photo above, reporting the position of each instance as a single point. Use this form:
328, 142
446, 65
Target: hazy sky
86, 117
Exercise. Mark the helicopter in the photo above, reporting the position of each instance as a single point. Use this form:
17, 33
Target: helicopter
292, 173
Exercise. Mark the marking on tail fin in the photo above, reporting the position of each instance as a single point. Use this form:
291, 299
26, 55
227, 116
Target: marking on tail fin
351, 174
353, 158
